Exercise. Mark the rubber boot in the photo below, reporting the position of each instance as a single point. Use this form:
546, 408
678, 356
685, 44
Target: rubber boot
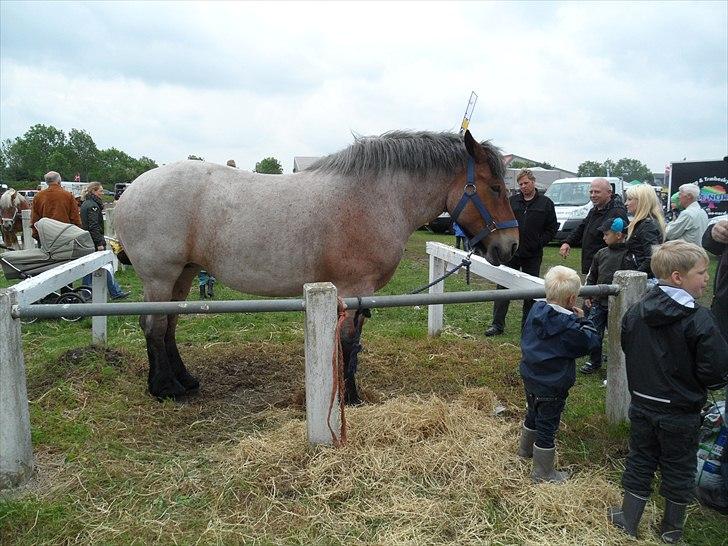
543, 466
628, 516
210, 284
203, 292
525, 445
673, 521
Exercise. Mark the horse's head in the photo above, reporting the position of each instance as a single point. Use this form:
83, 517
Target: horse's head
478, 202
11, 203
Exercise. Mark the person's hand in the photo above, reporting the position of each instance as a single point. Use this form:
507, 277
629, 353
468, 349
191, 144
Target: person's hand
587, 303
720, 232
578, 311
564, 250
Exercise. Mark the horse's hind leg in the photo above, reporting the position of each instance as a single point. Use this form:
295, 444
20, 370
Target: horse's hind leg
162, 381
179, 293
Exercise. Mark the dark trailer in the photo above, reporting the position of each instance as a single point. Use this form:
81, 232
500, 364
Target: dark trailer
711, 176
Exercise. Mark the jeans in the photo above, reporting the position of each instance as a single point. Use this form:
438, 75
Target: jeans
111, 284
598, 314
543, 415
532, 266
204, 277
665, 440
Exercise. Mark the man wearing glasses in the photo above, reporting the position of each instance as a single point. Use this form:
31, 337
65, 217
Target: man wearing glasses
537, 225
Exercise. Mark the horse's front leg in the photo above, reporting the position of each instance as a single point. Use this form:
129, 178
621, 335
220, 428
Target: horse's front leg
188, 381
162, 381
351, 346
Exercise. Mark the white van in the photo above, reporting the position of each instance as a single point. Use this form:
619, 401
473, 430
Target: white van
73, 187
572, 203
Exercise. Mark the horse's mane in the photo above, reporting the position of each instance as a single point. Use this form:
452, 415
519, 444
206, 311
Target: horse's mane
418, 152
6, 199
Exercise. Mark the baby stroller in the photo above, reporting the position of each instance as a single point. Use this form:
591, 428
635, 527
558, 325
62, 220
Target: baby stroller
59, 243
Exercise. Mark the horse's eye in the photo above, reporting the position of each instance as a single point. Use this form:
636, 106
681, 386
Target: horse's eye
495, 189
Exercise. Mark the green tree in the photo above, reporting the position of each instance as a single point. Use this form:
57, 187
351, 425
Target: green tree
41, 149
590, 168
269, 165
82, 153
195, 157
633, 169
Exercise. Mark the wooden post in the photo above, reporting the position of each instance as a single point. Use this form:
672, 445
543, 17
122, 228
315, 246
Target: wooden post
323, 417
632, 286
434, 312
99, 294
28, 241
16, 449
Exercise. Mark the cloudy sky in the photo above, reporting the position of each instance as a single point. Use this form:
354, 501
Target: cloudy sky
557, 82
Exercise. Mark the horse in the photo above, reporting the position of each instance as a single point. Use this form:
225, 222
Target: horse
345, 219
11, 205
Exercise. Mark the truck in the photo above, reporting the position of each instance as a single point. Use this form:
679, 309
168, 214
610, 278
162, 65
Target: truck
73, 187
572, 202
710, 175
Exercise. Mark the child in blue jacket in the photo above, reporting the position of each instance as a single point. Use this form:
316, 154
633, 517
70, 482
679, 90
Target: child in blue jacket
554, 335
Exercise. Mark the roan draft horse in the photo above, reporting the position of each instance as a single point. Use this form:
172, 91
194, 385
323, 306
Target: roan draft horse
11, 205
345, 219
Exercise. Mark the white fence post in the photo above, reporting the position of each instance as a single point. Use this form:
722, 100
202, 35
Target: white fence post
631, 287
323, 417
434, 312
16, 449
99, 294
28, 241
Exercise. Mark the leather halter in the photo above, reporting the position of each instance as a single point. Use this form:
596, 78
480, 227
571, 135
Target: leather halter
470, 193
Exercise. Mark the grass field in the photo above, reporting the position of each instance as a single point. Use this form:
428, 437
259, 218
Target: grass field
425, 463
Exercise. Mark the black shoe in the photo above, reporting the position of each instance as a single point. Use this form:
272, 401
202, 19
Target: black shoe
493, 331
121, 296
589, 368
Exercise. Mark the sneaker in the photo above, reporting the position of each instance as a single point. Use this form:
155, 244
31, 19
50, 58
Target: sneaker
121, 296
493, 331
589, 368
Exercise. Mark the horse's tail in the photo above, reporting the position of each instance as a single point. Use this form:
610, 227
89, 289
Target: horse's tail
123, 258
119, 251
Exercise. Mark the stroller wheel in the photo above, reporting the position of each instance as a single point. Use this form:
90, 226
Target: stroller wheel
70, 297
85, 292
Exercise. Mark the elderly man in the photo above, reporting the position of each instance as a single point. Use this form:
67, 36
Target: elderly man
536, 227
693, 220
606, 205
54, 202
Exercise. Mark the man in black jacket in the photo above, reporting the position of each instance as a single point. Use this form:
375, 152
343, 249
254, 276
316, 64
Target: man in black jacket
606, 205
536, 227
715, 240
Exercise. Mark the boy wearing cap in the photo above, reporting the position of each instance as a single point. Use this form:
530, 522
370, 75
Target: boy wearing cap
605, 263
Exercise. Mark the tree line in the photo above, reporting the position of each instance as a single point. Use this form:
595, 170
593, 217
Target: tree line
45, 148
626, 169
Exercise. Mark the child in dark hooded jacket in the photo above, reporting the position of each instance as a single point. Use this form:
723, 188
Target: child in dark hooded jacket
674, 353
554, 335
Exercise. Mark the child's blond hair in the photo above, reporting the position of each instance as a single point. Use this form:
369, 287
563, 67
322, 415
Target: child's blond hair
678, 256
561, 283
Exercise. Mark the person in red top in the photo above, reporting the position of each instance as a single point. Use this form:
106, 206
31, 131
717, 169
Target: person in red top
54, 202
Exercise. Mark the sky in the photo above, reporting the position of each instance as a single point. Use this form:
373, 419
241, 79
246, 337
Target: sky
561, 82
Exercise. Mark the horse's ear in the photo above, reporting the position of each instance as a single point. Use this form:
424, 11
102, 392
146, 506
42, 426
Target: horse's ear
473, 146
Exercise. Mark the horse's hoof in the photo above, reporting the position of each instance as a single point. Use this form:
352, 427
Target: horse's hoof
169, 390
352, 399
189, 382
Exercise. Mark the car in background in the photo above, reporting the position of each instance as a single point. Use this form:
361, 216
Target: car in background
28, 194
441, 224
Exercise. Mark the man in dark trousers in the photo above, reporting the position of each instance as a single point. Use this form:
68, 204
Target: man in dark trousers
536, 226
606, 205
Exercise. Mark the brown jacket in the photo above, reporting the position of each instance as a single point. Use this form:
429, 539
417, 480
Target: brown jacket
55, 202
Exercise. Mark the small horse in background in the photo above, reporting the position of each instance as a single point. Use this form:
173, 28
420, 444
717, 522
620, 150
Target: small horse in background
11, 206
345, 219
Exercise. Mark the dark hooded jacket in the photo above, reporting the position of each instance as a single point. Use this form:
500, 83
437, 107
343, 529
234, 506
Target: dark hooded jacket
674, 353
645, 234
720, 290
92, 219
587, 233
551, 341
537, 223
